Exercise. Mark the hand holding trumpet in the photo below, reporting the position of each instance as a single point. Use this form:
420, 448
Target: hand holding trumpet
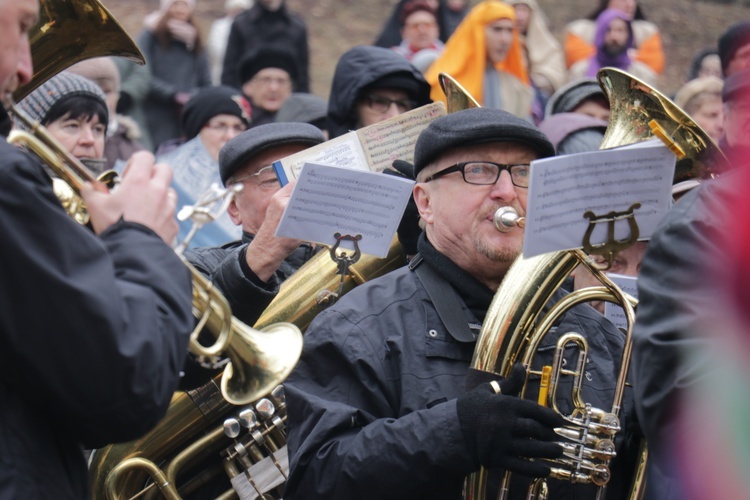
143, 196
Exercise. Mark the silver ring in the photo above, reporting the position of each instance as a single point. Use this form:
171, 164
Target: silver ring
495, 387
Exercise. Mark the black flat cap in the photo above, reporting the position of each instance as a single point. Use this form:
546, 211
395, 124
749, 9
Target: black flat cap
240, 149
476, 126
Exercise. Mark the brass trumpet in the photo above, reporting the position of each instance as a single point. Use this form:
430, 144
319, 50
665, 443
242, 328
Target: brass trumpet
259, 361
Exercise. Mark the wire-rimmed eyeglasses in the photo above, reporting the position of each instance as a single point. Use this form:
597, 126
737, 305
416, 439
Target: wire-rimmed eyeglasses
265, 177
487, 172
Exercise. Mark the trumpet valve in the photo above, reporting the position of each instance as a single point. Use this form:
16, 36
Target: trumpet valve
506, 219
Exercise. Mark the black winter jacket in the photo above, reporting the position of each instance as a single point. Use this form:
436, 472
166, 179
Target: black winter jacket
372, 402
247, 297
257, 27
94, 332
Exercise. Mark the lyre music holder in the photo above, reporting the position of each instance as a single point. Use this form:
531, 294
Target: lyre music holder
343, 260
611, 245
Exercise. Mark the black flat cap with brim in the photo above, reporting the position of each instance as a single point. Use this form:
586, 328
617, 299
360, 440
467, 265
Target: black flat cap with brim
476, 126
240, 149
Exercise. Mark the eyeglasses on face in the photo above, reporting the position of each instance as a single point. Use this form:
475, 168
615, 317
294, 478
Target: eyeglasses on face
223, 128
267, 81
381, 104
486, 172
265, 178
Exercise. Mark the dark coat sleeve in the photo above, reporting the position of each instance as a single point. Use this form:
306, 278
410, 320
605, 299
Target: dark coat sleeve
222, 266
669, 354
235, 47
94, 329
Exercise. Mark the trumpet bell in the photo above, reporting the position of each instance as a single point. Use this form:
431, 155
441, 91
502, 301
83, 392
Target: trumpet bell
260, 361
63, 36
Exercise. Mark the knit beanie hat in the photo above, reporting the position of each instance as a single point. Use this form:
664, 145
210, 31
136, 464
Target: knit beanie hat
736, 37
57, 89
210, 102
267, 57
476, 126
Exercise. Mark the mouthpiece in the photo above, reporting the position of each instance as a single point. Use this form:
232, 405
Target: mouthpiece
506, 218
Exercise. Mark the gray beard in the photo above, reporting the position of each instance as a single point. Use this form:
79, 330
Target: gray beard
504, 254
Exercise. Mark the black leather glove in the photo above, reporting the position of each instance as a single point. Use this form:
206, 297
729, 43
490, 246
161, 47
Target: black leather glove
502, 430
408, 230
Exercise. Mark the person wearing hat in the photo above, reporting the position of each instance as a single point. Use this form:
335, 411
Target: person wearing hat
267, 75
583, 96
378, 404
74, 111
485, 55
267, 22
734, 48
614, 41
211, 118
249, 271
579, 35
123, 133
372, 84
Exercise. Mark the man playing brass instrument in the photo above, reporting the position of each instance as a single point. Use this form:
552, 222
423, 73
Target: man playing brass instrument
95, 325
377, 406
249, 271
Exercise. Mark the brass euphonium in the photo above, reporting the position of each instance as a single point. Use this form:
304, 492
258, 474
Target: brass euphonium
515, 327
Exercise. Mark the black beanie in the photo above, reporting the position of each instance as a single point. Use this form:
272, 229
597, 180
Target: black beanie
476, 126
211, 102
737, 36
267, 57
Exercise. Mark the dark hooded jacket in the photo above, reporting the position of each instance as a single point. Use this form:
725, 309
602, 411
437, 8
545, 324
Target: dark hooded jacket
258, 26
357, 69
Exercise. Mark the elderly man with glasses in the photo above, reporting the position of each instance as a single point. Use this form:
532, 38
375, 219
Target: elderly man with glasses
378, 406
249, 271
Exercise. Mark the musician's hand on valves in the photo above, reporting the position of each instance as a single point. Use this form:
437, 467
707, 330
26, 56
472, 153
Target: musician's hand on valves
142, 196
266, 252
502, 430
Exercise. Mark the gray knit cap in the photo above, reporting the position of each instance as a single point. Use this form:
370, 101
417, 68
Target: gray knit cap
58, 89
476, 126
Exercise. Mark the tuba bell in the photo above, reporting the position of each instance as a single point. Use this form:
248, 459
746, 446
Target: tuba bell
516, 321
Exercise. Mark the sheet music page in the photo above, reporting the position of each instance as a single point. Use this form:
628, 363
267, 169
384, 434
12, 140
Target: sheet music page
563, 188
371, 148
343, 151
394, 139
328, 200
613, 312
